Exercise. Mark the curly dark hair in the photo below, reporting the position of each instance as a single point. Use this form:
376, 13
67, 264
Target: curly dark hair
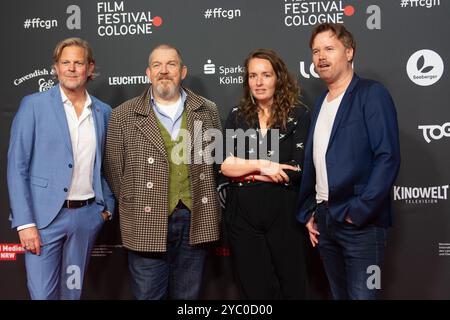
286, 95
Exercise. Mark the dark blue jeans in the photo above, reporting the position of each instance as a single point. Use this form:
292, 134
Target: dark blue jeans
174, 274
352, 256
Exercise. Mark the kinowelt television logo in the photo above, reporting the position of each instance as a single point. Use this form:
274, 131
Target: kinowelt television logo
420, 195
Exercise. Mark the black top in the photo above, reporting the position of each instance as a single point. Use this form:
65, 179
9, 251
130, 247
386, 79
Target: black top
266, 240
291, 141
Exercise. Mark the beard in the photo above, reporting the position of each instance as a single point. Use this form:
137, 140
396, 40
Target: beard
166, 89
71, 83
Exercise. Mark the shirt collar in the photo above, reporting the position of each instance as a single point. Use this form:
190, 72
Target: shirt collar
87, 103
182, 93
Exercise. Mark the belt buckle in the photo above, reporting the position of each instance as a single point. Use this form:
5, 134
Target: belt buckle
68, 204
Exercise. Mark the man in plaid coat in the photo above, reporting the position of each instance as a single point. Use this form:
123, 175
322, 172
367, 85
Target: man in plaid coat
169, 209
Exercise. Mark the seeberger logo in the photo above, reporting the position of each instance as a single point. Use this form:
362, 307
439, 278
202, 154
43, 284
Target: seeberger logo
44, 80
421, 195
425, 67
9, 251
227, 74
435, 132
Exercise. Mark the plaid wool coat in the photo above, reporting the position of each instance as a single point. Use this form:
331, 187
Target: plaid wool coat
137, 169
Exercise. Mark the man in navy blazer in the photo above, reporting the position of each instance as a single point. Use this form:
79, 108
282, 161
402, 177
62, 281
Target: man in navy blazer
58, 196
351, 161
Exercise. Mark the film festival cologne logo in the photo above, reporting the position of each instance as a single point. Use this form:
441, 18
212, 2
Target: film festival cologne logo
115, 20
309, 13
299, 13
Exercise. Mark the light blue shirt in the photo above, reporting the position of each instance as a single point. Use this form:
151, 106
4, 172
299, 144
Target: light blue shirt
172, 126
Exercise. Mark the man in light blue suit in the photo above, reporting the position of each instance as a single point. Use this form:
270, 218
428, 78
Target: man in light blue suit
352, 158
58, 196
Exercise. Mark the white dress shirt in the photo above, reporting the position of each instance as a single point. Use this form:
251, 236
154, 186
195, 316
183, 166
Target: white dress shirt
321, 137
84, 143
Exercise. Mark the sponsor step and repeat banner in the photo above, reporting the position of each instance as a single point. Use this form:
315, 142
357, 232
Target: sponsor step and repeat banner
402, 43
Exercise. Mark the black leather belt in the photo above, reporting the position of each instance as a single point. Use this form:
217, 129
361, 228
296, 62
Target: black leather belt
75, 204
180, 205
324, 203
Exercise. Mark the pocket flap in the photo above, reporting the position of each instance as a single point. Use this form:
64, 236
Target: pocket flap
37, 181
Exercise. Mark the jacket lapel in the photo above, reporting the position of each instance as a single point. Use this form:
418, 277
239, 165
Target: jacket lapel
147, 122
343, 107
99, 127
192, 104
318, 106
58, 108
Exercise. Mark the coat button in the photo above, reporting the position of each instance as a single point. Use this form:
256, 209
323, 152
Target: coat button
149, 185
204, 200
151, 160
70, 165
65, 189
148, 209
202, 176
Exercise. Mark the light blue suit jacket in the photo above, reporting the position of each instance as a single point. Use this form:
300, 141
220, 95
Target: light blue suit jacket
40, 159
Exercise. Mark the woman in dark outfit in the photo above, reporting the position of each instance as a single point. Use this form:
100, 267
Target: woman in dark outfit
267, 243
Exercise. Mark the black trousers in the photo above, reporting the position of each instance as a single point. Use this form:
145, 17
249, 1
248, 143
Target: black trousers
267, 243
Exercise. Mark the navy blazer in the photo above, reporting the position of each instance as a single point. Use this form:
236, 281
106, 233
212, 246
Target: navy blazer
362, 158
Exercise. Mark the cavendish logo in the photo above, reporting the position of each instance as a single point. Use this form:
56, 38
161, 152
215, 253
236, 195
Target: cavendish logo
420, 195
44, 80
425, 67
435, 132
